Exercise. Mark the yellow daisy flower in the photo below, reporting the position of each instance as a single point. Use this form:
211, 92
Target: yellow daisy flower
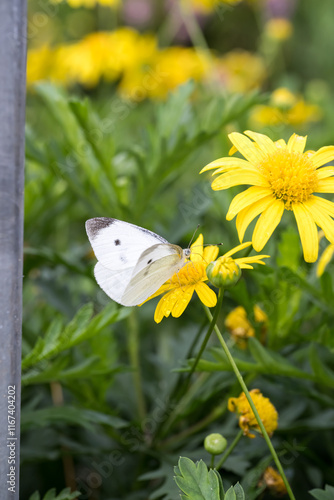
282, 177
191, 278
247, 420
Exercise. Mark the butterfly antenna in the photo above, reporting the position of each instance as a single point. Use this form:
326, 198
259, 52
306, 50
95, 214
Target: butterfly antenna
193, 236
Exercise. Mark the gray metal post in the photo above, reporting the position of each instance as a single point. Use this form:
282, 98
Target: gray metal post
12, 113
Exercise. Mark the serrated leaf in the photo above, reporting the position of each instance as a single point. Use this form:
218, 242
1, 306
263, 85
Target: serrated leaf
65, 494
196, 481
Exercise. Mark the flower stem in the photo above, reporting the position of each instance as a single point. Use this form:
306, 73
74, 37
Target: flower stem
229, 449
204, 343
251, 404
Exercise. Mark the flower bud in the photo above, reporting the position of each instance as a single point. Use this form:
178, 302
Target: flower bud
215, 444
223, 272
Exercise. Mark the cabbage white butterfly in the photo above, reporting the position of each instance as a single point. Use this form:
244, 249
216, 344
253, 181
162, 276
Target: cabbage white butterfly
133, 262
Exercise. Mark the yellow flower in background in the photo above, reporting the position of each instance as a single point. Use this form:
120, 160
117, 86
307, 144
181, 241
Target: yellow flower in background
191, 278
285, 107
240, 327
282, 177
89, 3
274, 482
240, 71
208, 6
247, 420
99, 55
279, 28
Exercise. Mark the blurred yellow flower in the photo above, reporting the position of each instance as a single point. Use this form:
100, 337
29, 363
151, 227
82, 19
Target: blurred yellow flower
279, 28
89, 3
207, 6
282, 177
240, 71
274, 482
247, 420
285, 107
191, 278
99, 55
175, 66
240, 327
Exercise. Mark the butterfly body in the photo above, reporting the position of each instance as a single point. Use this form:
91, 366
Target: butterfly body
133, 262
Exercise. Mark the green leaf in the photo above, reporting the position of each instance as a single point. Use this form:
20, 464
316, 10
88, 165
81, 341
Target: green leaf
65, 494
196, 481
230, 494
326, 494
81, 328
69, 415
322, 373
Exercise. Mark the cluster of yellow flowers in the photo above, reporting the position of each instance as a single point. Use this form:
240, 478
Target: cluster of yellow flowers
287, 108
139, 67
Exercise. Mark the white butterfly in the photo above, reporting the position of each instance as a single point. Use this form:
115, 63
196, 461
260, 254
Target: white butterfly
133, 262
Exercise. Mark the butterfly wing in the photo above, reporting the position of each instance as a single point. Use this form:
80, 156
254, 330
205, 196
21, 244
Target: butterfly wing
113, 282
155, 266
117, 244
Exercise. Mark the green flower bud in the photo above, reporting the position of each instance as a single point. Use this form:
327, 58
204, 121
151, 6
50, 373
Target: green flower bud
215, 443
223, 272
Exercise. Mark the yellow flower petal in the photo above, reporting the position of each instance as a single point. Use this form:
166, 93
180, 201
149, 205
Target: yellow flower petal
297, 143
326, 186
266, 224
197, 249
206, 295
237, 249
242, 176
210, 253
322, 156
325, 172
264, 142
324, 221
308, 232
183, 299
325, 205
246, 215
247, 148
325, 259
164, 306
246, 198
227, 162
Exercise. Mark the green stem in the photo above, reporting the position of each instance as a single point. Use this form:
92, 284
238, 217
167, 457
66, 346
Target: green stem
230, 449
251, 404
133, 348
192, 26
204, 343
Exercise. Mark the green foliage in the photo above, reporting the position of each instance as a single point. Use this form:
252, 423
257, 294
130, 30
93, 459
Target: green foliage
199, 483
326, 494
65, 494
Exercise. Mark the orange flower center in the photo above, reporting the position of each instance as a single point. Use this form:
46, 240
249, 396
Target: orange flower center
291, 176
